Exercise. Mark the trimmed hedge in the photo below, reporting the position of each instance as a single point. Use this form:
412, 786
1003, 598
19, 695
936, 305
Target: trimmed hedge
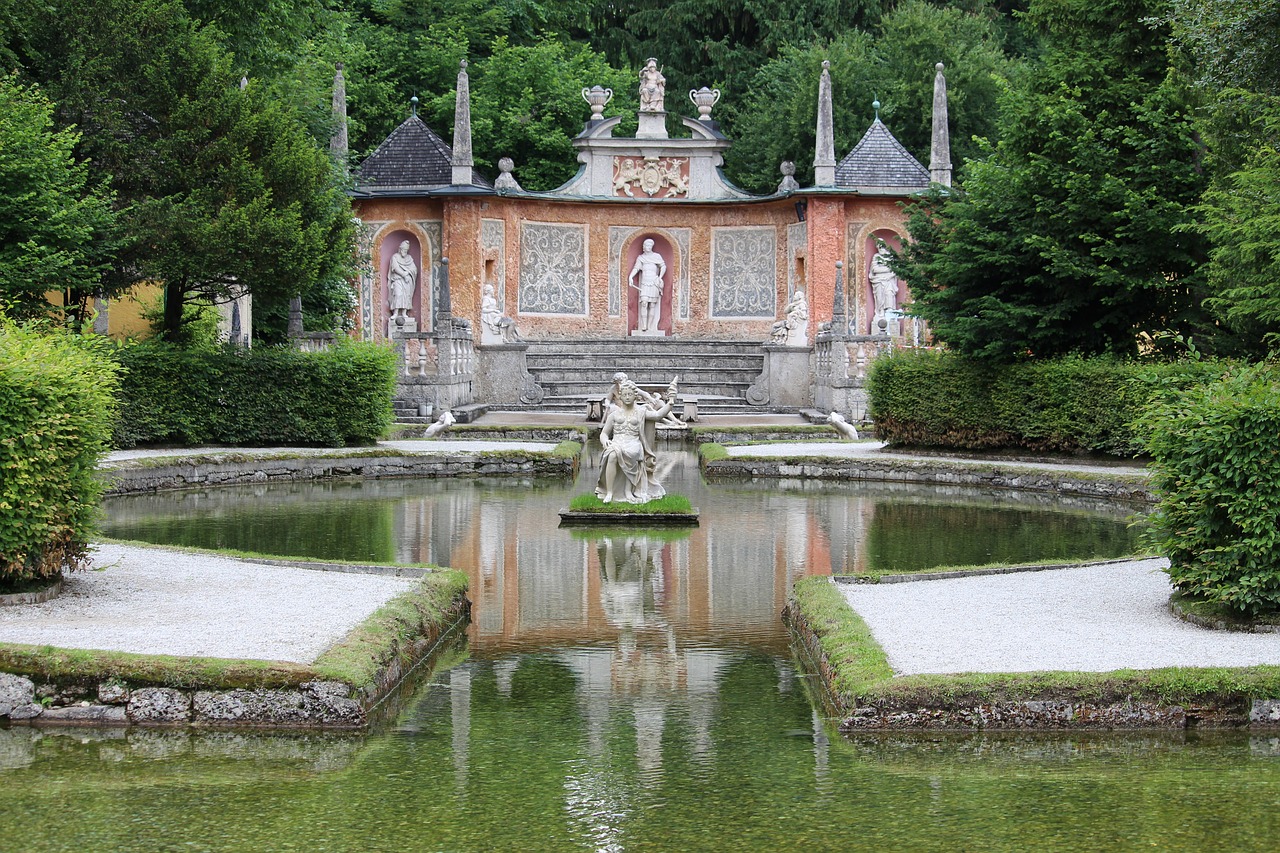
1216, 454
57, 404
254, 397
1075, 405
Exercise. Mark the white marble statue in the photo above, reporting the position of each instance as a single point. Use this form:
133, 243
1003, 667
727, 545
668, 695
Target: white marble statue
628, 462
495, 328
846, 430
653, 87
651, 268
793, 329
402, 280
442, 423
884, 287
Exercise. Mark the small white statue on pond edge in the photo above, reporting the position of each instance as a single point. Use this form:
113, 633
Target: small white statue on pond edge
442, 423
846, 430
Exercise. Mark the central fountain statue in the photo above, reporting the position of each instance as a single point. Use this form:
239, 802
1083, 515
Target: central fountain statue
628, 463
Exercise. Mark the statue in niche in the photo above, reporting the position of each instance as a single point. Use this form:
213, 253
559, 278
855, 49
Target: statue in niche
495, 327
402, 280
884, 287
628, 462
653, 87
650, 267
793, 329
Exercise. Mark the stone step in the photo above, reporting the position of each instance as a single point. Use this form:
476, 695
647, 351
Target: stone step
646, 360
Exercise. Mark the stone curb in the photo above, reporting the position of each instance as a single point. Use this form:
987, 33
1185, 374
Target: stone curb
1219, 624
40, 596
973, 573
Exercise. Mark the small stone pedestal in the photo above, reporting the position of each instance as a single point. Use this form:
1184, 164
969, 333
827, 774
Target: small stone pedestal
641, 333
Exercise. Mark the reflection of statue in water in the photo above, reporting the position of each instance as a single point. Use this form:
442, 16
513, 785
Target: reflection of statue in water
884, 287
793, 329
653, 87
627, 465
495, 328
402, 277
651, 268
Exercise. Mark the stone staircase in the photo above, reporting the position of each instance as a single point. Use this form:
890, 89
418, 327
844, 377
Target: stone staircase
714, 373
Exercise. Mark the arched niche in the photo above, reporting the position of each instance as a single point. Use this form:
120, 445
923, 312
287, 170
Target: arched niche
420, 301
871, 244
667, 249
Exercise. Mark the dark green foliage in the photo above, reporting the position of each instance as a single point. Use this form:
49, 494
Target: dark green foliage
1072, 404
527, 104
1216, 452
1070, 236
53, 218
254, 397
219, 185
776, 119
56, 409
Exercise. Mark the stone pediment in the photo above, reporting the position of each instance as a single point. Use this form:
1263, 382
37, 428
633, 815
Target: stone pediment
651, 167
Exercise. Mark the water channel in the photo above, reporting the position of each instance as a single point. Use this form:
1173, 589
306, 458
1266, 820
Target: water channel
628, 690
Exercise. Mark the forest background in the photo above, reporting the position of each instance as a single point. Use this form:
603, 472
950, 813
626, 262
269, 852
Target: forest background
184, 141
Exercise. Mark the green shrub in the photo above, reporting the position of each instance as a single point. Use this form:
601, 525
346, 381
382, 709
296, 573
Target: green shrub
1070, 404
57, 403
254, 397
1216, 454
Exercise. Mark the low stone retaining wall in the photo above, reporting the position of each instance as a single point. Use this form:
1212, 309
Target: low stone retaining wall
472, 432
952, 710
1001, 476
111, 701
187, 474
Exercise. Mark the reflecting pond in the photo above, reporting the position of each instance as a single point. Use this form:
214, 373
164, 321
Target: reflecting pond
630, 690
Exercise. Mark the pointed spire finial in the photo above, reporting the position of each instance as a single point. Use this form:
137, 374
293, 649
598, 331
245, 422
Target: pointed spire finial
413, 105
824, 155
339, 141
875, 105
940, 147
462, 162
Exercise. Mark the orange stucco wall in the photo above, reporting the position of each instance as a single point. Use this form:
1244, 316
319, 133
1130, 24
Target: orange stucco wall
836, 230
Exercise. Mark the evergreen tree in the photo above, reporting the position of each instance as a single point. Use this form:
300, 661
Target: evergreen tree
1231, 49
220, 186
53, 221
1071, 235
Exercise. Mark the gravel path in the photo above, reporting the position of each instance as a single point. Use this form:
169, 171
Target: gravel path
875, 450
1094, 619
157, 601
408, 445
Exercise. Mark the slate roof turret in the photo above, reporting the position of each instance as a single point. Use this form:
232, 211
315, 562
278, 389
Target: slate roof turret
413, 159
879, 165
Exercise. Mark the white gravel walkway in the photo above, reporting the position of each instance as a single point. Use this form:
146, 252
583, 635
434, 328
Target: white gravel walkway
157, 601
400, 446
876, 450
1094, 619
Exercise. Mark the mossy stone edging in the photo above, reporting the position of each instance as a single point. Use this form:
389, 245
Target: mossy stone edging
35, 596
1209, 619
340, 690
862, 694
1121, 487
155, 475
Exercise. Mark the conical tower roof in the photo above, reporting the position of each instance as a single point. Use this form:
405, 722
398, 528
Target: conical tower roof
413, 159
879, 165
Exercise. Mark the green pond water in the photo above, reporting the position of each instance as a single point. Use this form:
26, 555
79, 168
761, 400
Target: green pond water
629, 691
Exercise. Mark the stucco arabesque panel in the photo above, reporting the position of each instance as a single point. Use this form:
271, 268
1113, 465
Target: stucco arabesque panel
553, 269
744, 272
